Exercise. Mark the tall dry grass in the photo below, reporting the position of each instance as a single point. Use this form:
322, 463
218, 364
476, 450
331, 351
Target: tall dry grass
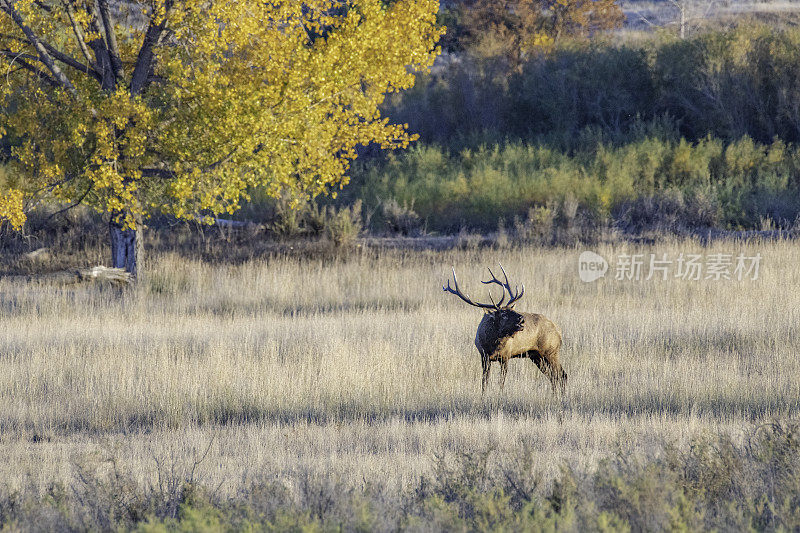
362, 368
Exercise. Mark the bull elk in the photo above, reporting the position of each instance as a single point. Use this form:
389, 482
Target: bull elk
505, 334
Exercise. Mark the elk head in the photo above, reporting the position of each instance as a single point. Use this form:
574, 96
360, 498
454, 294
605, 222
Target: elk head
504, 334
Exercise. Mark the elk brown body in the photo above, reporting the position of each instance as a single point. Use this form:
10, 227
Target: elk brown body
505, 334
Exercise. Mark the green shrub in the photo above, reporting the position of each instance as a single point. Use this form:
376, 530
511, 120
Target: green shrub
650, 183
537, 227
399, 218
343, 225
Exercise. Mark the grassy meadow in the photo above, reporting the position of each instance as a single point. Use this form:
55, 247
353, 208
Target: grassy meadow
333, 377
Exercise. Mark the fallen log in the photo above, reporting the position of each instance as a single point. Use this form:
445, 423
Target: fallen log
230, 224
116, 276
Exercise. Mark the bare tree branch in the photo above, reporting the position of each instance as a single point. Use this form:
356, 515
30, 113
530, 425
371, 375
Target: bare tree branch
151, 172
16, 58
78, 31
157, 172
100, 48
644, 19
73, 205
220, 162
44, 55
72, 62
19, 55
43, 6
144, 61
111, 39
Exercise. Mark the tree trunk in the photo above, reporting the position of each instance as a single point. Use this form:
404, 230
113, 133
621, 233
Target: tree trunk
126, 247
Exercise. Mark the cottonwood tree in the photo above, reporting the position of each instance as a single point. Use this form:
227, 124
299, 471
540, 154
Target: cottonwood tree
181, 106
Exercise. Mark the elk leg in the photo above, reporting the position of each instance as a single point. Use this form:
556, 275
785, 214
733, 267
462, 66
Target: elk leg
551, 368
557, 375
560, 379
544, 366
539, 361
486, 364
503, 372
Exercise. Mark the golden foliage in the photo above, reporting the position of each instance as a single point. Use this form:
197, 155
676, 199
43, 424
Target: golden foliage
11, 208
237, 95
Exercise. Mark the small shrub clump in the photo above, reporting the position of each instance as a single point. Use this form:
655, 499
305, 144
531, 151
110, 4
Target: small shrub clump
400, 219
341, 226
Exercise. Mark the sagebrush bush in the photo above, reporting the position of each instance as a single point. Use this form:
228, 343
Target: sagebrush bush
339, 224
537, 227
399, 218
344, 225
667, 211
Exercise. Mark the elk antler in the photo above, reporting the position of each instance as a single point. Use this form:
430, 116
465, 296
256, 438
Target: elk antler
506, 287
464, 297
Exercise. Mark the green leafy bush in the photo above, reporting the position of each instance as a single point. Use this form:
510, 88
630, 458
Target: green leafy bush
652, 182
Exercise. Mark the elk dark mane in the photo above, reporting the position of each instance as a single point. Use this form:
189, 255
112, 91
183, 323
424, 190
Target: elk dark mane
507, 322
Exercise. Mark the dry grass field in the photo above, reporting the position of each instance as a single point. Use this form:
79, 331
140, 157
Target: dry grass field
362, 370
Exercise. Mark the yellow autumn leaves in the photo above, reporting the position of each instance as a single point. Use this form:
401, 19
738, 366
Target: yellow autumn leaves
11, 204
242, 94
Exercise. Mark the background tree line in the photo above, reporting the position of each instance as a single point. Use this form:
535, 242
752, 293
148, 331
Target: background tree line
722, 83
